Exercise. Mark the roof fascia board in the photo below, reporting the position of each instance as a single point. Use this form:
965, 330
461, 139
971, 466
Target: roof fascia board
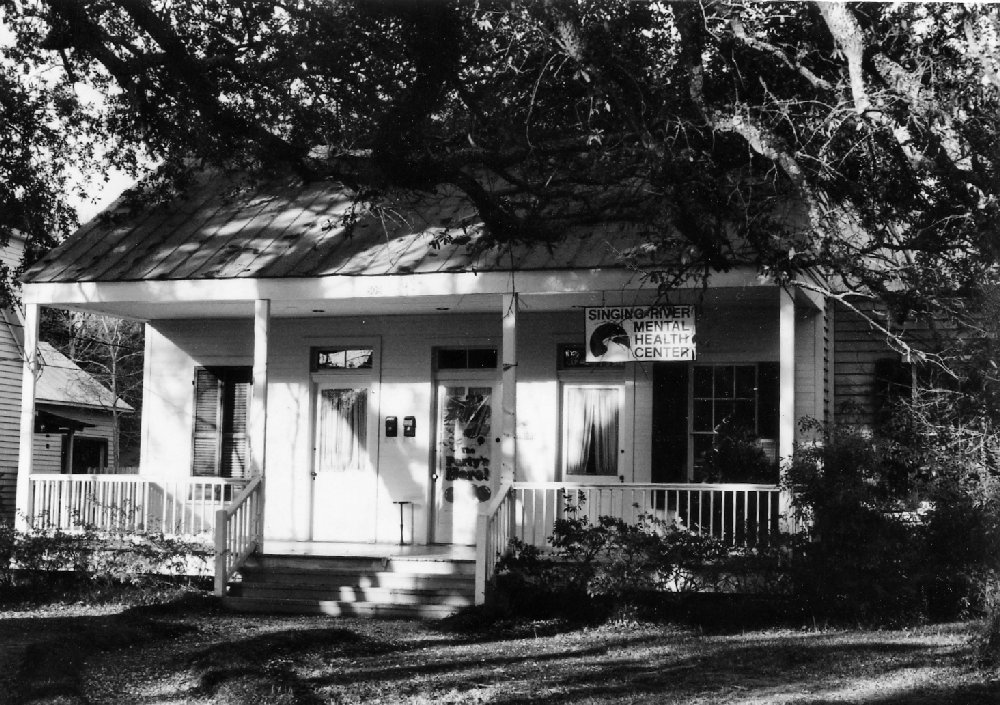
360, 287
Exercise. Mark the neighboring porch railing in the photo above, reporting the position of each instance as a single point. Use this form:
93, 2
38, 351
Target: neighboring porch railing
739, 515
239, 531
173, 506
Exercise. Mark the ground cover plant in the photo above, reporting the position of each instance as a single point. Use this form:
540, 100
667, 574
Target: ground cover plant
192, 652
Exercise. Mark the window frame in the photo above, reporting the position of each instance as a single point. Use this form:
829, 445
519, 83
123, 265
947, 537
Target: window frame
368, 378
618, 374
622, 431
221, 373
769, 445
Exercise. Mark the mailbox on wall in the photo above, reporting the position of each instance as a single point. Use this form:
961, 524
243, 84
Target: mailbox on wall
409, 426
390, 426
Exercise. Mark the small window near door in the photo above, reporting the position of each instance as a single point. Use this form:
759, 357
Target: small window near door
591, 416
343, 430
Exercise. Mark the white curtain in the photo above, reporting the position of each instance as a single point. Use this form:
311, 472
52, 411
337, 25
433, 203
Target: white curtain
343, 423
591, 415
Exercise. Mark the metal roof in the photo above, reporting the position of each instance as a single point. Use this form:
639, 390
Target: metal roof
289, 229
63, 382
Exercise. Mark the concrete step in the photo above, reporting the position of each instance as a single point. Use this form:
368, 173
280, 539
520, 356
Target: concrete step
407, 586
366, 579
405, 564
338, 608
375, 595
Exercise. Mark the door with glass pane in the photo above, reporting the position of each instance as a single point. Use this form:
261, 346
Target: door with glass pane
463, 477
344, 470
595, 439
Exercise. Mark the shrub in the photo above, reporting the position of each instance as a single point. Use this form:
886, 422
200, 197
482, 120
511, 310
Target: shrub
607, 566
895, 534
29, 560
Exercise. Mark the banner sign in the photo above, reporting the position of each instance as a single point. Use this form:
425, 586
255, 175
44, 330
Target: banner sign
625, 333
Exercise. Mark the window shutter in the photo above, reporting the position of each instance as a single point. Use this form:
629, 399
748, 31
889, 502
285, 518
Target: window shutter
235, 410
207, 398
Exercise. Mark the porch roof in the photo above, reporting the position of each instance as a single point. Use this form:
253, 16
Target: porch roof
287, 229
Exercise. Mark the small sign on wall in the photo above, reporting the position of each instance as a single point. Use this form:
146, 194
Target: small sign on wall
626, 333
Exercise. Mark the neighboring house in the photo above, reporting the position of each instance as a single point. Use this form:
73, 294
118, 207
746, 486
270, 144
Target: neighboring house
74, 418
391, 377
73, 431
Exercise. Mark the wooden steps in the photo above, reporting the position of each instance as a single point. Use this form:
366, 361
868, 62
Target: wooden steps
427, 587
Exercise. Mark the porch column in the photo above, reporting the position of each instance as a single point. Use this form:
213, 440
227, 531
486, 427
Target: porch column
786, 375
258, 401
26, 447
508, 395
786, 393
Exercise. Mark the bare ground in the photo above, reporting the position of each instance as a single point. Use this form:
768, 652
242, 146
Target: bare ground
195, 653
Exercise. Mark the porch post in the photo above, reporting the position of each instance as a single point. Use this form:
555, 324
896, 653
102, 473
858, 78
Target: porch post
508, 396
786, 393
258, 401
26, 447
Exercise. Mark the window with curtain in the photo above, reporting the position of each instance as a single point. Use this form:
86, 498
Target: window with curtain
343, 430
590, 420
221, 411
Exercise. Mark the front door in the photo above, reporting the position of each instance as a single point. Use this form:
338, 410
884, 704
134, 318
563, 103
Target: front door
345, 472
463, 476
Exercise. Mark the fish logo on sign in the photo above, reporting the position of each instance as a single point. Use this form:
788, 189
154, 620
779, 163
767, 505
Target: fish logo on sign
610, 343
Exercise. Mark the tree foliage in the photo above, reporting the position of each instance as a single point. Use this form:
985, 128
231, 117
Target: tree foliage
855, 139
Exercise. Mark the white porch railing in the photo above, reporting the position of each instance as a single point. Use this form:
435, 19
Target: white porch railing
736, 514
493, 531
739, 515
173, 506
239, 531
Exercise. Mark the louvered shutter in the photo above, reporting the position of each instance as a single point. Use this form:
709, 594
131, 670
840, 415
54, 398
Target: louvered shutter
207, 407
235, 409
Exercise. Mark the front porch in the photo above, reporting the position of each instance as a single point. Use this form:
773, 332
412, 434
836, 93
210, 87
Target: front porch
227, 514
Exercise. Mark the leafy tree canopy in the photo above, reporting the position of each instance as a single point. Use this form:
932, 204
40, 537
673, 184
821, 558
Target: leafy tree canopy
857, 139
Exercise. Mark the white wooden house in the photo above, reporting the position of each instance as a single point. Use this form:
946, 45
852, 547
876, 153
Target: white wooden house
394, 381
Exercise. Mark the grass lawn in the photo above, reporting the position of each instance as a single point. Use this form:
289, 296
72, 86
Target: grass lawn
195, 653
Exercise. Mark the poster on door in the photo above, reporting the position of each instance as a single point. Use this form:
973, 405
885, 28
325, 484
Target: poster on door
464, 472
638, 333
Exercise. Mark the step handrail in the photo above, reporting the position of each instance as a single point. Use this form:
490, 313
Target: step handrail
494, 529
238, 532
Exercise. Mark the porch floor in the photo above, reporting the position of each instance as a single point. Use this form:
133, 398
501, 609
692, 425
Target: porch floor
441, 552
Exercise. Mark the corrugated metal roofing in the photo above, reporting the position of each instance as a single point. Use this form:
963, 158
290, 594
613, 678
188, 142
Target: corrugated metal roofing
63, 382
286, 229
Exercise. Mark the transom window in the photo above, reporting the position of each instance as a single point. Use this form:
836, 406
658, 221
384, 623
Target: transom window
466, 358
573, 356
342, 358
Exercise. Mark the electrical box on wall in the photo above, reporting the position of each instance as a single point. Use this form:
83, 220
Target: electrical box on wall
409, 426
390, 426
